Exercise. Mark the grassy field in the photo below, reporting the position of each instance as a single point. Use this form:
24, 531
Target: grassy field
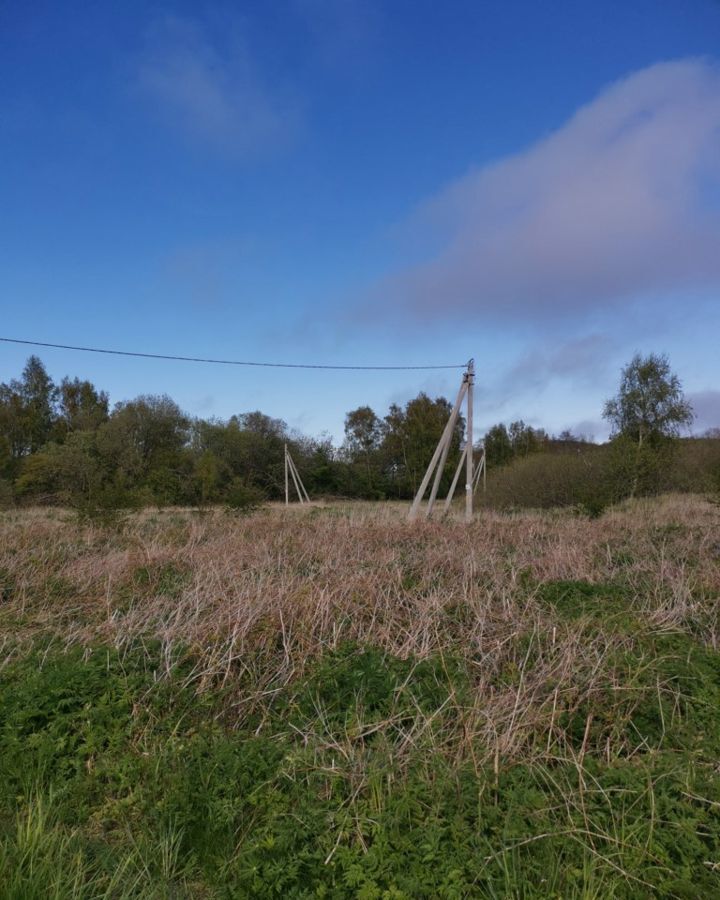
331, 702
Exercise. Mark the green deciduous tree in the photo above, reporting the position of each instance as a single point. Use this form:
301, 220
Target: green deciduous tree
650, 404
144, 444
38, 394
498, 446
363, 434
27, 409
647, 413
411, 436
525, 439
12, 426
502, 445
81, 407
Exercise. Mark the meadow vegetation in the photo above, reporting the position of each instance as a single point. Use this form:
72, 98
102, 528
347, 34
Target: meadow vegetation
331, 702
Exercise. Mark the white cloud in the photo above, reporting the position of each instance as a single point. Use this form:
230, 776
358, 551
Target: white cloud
620, 202
210, 88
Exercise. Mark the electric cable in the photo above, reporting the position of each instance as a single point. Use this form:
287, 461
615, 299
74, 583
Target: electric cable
225, 362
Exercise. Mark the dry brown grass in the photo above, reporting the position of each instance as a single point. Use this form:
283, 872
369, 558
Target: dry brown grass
255, 600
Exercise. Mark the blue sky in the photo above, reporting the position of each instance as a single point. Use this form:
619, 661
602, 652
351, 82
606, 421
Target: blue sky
336, 181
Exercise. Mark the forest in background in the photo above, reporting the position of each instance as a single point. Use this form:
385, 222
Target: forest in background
63, 444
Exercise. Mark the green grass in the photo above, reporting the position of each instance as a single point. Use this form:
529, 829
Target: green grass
575, 599
320, 706
119, 781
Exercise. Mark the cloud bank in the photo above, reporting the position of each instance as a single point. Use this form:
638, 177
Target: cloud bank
209, 87
582, 359
622, 201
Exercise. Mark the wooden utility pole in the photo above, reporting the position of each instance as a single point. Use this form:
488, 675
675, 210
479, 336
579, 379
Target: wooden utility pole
439, 458
287, 485
446, 436
470, 377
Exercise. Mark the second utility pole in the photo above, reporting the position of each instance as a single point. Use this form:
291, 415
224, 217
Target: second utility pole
470, 377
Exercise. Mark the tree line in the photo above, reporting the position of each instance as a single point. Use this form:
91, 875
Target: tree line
63, 443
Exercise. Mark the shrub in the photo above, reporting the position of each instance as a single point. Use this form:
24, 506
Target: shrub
695, 467
545, 480
242, 497
594, 478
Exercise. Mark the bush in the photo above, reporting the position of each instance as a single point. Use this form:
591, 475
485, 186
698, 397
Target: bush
695, 467
243, 497
594, 478
545, 480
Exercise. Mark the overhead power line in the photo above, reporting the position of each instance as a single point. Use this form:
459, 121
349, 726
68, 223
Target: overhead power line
222, 362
